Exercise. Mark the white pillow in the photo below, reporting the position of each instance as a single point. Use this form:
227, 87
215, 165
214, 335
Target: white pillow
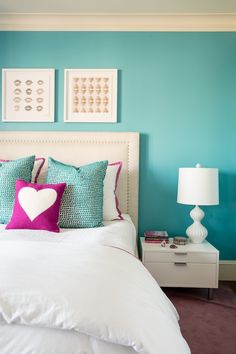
110, 201
38, 164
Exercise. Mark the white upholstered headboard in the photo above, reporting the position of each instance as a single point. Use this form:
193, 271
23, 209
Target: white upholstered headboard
79, 148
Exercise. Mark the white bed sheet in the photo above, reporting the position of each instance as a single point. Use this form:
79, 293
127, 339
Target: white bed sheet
17, 338
117, 233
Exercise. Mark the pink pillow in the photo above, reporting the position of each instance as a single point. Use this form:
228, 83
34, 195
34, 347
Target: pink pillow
38, 164
37, 206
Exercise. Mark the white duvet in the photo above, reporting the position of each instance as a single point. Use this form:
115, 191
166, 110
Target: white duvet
67, 297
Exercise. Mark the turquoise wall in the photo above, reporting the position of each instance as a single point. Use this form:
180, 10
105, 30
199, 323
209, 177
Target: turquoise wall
177, 89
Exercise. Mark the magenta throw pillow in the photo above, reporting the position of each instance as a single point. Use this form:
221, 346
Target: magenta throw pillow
36, 206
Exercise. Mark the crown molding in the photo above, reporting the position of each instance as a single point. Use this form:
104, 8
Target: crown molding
193, 22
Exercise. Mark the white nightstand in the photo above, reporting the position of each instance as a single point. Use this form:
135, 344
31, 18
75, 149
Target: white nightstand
190, 266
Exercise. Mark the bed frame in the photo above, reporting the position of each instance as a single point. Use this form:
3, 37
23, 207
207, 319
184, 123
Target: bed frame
79, 148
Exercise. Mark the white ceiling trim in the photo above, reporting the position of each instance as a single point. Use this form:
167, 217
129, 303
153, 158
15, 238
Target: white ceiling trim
118, 22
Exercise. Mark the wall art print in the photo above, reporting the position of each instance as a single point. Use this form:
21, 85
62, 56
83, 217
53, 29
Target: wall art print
90, 95
28, 95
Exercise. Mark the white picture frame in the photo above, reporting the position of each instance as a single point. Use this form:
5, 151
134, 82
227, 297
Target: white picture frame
28, 95
90, 95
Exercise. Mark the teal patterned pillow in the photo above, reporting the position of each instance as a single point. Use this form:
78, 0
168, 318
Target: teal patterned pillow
10, 172
82, 202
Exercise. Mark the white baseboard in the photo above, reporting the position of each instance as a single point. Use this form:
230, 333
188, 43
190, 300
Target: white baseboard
227, 270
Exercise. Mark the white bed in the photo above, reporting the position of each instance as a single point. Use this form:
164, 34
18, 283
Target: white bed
82, 291
117, 233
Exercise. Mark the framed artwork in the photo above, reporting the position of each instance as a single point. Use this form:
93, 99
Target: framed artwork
28, 95
90, 95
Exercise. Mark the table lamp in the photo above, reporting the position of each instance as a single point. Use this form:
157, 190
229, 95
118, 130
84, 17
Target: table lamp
198, 186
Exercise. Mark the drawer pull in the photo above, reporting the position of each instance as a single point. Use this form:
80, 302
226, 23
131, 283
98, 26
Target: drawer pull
180, 263
181, 253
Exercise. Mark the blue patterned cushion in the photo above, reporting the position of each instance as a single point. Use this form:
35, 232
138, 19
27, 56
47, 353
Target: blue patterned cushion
10, 172
82, 202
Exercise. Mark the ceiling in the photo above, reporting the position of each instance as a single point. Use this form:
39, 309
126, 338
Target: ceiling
118, 6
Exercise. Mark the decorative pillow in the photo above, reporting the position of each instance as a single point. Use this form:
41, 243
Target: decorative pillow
38, 164
111, 209
82, 202
37, 206
10, 172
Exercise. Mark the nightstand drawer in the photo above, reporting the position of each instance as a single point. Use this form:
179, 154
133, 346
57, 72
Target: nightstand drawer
183, 274
179, 256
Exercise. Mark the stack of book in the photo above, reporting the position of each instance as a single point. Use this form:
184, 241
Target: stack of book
156, 236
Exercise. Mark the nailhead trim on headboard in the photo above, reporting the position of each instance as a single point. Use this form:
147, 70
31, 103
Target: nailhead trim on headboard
129, 139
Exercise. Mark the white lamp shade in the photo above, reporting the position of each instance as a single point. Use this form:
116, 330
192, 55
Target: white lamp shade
198, 186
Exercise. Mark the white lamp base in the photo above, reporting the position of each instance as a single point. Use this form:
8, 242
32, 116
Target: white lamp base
197, 232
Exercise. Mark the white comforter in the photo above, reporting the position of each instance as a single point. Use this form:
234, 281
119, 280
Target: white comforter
91, 294
118, 233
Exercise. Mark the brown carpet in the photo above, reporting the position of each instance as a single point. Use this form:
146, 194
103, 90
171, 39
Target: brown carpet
209, 326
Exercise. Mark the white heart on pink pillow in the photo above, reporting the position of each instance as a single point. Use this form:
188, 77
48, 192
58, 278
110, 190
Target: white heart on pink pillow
35, 202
